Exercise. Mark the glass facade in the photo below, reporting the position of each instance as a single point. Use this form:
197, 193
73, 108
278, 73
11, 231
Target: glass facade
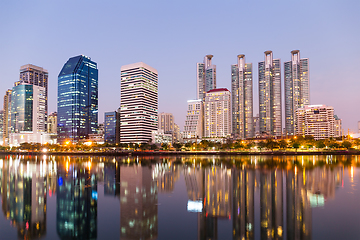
112, 127
77, 99
22, 108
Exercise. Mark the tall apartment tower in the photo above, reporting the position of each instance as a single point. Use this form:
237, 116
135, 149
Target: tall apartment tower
242, 98
217, 113
297, 93
77, 105
270, 96
206, 77
139, 103
37, 76
7, 116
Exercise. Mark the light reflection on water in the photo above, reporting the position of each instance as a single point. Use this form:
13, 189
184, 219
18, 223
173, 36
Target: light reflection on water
177, 197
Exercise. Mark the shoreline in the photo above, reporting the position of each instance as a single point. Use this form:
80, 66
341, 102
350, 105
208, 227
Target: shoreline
161, 153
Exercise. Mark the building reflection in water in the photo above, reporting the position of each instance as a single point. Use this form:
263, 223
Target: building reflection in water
212, 187
271, 203
23, 191
76, 213
243, 203
112, 179
138, 203
215, 193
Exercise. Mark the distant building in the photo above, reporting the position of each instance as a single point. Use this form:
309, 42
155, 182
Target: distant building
217, 113
316, 120
1, 126
270, 114
242, 99
358, 126
52, 123
176, 135
194, 120
77, 105
139, 103
112, 127
7, 117
337, 126
159, 137
166, 122
297, 88
206, 77
96, 138
101, 128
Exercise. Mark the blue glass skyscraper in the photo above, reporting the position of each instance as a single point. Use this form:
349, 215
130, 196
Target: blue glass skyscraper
77, 99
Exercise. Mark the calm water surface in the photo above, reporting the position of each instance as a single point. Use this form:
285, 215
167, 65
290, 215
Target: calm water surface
182, 197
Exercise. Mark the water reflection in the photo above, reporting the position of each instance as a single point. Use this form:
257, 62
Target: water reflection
76, 208
285, 189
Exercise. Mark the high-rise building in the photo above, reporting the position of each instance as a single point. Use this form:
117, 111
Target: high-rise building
297, 88
315, 120
37, 76
7, 116
337, 127
206, 77
242, 98
112, 127
28, 108
77, 99
139, 102
217, 113
194, 119
52, 123
270, 115
358, 126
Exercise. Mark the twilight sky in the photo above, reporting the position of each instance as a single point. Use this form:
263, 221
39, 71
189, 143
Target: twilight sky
172, 36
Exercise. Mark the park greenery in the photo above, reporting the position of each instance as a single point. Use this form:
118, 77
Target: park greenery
297, 143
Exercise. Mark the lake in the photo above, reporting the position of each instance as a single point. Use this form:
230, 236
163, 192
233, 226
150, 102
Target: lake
180, 197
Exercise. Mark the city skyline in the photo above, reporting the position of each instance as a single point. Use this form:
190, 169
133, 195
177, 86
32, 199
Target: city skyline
320, 44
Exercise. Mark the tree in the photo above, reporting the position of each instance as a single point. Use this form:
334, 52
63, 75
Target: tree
261, 145
296, 145
177, 146
283, 144
346, 144
271, 144
320, 144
